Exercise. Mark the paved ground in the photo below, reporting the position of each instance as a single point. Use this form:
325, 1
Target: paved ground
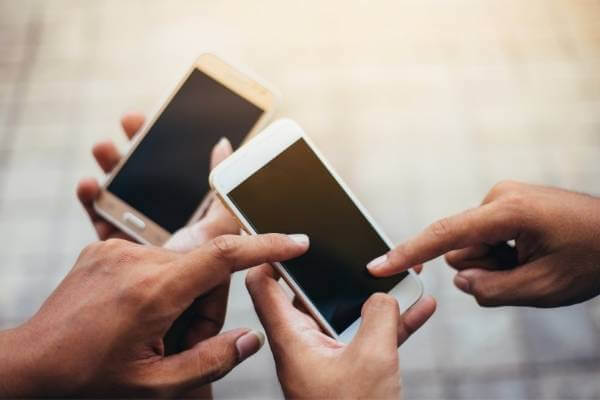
421, 105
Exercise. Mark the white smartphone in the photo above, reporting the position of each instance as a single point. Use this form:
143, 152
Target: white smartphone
161, 185
279, 182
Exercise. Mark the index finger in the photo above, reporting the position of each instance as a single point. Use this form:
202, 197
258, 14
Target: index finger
211, 264
490, 223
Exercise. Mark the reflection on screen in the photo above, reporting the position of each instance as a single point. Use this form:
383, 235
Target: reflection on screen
166, 177
294, 193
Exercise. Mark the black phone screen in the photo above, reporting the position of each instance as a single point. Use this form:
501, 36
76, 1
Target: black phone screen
295, 193
166, 177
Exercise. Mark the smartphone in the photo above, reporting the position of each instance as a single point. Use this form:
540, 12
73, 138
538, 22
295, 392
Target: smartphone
161, 185
279, 182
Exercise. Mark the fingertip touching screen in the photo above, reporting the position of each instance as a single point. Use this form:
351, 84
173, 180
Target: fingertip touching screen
166, 177
295, 193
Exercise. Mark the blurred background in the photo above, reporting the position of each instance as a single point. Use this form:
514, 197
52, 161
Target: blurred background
421, 105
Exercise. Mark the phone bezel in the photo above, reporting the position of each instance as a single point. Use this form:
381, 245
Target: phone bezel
113, 208
260, 151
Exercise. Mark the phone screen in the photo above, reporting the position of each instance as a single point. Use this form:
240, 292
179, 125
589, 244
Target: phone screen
295, 193
166, 177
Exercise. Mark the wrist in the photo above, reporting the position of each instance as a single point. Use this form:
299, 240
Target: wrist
18, 367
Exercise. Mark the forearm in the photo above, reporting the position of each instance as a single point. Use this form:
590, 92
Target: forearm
17, 365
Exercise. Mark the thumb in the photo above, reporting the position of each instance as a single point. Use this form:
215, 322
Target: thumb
217, 220
379, 326
210, 359
221, 151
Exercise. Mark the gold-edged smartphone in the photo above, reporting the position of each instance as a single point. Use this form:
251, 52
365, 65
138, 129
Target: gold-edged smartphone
161, 184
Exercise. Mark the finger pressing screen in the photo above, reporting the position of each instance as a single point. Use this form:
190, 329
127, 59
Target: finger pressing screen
210, 265
490, 223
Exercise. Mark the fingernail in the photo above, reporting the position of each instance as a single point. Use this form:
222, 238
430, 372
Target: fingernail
376, 263
249, 344
224, 142
300, 238
462, 283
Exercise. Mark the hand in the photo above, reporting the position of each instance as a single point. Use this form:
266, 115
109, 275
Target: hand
210, 310
311, 364
207, 314
107, 156
554, 261
217, 221
101, 332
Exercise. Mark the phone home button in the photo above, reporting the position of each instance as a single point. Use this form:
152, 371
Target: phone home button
134, 221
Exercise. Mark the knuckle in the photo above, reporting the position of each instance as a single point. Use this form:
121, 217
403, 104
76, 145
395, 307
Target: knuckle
398, 254
122, 253
513, 207
483, 297
90, 250
441, 228
503, 187
450, 259
93, 258
224, 247
514, 201
114, 244
114, 248
274, 243
277, 240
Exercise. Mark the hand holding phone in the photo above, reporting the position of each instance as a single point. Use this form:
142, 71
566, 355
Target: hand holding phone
206, 316
160, 185
100, 333
311, 364
107, 157
216, 221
